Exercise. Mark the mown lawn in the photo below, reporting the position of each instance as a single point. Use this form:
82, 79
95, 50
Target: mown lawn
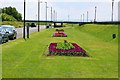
18, 24
26, 59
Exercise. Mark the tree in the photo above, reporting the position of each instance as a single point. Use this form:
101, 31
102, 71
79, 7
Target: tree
12, 12
6, 17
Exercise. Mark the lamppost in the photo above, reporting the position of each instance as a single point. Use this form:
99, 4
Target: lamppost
39, 14
112, 10
83, 17
46, 12
95, 13
54, 15
51, 13
87, 16
24, 20
68, 17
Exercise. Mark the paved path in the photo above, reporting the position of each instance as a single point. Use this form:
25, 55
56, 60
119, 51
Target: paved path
34, 29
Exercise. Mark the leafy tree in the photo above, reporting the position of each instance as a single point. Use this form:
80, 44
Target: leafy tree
12, 12
6, 17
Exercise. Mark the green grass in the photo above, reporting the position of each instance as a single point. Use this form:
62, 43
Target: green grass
25, 59
18, 24
102, 31
13, 23
71, 25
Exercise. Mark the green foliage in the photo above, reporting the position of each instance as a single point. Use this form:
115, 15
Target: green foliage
14, 23
64, 45
6, 17
12, 12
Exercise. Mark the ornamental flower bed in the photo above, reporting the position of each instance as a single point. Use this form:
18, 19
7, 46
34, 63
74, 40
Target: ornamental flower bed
59, 33
66, 49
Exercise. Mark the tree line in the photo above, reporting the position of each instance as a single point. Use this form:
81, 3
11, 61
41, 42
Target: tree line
10, 14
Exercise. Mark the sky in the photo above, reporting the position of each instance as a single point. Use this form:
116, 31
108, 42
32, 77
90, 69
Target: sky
67, 10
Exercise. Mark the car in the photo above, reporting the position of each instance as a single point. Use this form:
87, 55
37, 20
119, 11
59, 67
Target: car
47, 26
12, 33
33, 25
3, 35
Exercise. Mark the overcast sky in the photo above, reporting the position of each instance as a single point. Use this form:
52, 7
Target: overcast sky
73, 8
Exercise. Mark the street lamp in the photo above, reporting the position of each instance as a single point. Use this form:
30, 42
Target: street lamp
68, 17
112, 10
46, 12
36, 17
95, 13
87, 16
24, 20
83, 17
51, 13
54, 15
39, 14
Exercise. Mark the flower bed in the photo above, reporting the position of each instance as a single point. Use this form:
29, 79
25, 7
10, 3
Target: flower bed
75, 50
59, 34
